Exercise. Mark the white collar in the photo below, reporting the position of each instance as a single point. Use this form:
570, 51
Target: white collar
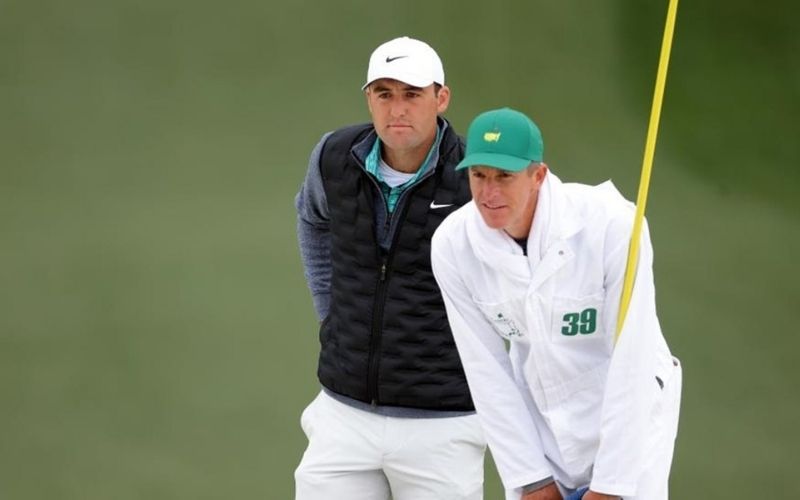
555, 219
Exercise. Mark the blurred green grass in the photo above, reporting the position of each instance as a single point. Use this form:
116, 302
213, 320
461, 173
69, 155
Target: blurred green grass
156, 336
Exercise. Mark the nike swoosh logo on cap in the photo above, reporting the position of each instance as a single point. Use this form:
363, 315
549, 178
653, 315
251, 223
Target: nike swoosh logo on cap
443, 205
390, 59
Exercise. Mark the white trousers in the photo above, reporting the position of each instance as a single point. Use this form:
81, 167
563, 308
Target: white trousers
356, 455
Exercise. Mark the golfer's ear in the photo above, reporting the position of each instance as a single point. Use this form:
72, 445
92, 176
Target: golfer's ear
366, 96
443, 99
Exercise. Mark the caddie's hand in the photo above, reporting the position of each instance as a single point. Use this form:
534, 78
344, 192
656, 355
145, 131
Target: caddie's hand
549, 492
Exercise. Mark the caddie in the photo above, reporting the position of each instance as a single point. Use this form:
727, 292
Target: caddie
538, 265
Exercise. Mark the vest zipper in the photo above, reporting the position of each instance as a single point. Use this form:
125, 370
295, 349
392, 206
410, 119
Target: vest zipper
375, 338
377, 311
380, 291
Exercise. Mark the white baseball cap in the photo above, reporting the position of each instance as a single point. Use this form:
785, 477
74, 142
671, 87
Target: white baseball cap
407, 60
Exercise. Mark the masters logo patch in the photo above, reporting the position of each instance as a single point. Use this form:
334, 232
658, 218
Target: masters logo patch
491, 136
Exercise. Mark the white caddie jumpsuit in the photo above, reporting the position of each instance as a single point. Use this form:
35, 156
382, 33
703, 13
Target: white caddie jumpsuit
563, 400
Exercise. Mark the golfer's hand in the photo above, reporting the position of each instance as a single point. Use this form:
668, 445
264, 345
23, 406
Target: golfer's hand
549, 492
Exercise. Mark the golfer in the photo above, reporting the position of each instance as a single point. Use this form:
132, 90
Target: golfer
394, 417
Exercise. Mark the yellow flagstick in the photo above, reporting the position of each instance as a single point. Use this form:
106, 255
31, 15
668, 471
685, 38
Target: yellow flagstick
647, 166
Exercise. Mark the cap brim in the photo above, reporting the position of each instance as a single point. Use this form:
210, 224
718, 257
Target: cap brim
408, 79
495, 160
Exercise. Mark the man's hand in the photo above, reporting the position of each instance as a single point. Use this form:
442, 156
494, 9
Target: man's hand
549, 492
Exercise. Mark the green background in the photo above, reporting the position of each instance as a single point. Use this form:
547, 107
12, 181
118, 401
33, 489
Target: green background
157, 339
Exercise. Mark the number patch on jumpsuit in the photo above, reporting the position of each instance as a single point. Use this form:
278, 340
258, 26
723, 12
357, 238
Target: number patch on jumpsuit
584, 322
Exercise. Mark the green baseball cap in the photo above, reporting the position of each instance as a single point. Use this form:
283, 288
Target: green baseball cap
503, 138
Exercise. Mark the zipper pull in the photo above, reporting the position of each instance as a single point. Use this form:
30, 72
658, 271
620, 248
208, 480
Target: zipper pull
383, 271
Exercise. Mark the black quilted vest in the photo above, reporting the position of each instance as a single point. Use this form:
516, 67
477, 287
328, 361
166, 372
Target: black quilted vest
386, 339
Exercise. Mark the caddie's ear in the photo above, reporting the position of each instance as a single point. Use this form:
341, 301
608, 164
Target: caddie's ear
540, 173
443, 99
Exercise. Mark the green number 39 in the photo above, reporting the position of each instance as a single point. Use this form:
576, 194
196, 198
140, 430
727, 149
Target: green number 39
584, 322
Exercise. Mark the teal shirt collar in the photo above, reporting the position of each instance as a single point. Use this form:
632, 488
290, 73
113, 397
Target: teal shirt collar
373, 159
392, 194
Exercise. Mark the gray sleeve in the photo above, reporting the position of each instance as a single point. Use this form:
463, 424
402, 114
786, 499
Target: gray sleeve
313, 234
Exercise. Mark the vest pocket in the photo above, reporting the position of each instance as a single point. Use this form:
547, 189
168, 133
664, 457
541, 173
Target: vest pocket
324, 329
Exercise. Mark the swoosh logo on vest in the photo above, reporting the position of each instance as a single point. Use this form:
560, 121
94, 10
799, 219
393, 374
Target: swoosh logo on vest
435, 205
390, 59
